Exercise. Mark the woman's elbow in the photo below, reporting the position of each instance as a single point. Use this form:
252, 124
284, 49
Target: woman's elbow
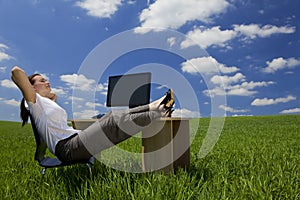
15, 71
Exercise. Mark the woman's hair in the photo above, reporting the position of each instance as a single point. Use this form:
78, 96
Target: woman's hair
24, 114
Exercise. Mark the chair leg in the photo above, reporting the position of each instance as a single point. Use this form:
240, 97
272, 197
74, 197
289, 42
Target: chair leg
44, 171
89, 167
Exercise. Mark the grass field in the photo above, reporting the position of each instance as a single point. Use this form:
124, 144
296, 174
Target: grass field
255, 158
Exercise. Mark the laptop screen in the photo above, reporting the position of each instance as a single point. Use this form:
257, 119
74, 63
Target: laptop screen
129, 90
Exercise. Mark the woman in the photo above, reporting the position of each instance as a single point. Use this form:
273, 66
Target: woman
71, 145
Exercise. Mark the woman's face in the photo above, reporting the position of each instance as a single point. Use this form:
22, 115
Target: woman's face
41, 85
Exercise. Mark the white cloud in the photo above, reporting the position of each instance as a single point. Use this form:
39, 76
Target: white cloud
208, 37
251, 85
85, 114
12, 102
99, 8
234, 85
185, 113
237, 91
289, 111
8, 84
2, 69
225, 85
289, 72
206, 65
243, 89
266, 101
93, 104
79, 82
131, 2
243, 115
3, 46
171, 41
35, 2
253, 31
246, 88
227, 80
240, 92
3, 55
232, 110
173, 14
281, 63
58, 91
71, 98
217, 91
102, 88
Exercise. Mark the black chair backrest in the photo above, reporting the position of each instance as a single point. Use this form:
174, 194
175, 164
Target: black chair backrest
50, 162
40, 146
35, 131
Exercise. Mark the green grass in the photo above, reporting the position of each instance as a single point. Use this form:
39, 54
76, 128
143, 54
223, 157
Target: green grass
255, 158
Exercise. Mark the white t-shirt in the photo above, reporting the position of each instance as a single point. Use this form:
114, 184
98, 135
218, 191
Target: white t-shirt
51, 121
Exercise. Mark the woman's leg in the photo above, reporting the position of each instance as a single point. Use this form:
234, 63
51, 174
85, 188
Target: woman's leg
111, 129
115, 127
72, 150
119, 125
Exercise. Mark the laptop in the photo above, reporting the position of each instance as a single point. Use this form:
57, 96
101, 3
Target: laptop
130, 90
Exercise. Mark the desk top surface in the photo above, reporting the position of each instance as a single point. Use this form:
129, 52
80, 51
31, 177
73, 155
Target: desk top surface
172, 119
159, 119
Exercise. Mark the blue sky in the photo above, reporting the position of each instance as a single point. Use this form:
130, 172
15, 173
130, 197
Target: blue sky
253, 44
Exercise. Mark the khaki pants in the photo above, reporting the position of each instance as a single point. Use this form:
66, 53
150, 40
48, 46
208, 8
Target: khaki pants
111, 129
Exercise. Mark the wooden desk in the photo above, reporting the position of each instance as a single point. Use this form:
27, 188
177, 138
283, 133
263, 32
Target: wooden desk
81, 124
166, 145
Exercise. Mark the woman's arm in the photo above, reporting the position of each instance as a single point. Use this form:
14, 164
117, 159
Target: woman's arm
20, 78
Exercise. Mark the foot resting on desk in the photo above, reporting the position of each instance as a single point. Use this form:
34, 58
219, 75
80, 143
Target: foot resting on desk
164, 104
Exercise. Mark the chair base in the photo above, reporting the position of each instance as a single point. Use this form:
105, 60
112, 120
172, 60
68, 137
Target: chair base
55, 162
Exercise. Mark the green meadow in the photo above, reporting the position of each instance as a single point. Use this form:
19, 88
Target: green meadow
254, 158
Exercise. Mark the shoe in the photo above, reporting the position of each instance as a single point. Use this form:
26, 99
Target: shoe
168, 101
169, 113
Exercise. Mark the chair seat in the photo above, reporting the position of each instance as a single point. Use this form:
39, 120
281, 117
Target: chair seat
50, 162
55, 162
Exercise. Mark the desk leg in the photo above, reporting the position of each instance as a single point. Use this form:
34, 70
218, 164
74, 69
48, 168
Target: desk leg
181, 144
168, 149
158, 149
